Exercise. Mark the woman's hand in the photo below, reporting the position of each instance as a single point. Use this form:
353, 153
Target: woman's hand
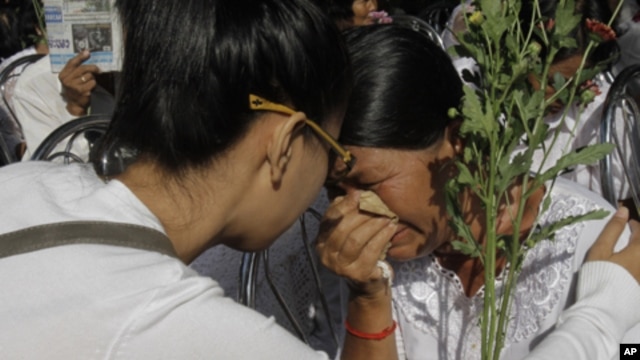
629, 257
78, 81
351, 243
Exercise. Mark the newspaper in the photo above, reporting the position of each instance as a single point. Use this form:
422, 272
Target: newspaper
75, 25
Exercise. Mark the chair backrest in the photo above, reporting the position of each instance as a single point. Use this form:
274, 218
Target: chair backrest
438, 13
621, 126
64, 143
419, 25
10, 128
249, 279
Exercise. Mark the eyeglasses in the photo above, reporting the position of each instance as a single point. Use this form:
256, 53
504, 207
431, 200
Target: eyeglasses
258, 103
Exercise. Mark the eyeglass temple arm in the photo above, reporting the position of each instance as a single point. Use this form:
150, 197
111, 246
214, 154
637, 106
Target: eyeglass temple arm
346, 155
258, 103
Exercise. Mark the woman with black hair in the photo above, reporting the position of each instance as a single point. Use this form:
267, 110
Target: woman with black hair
9, 33
397, 126
349, 13
94, 266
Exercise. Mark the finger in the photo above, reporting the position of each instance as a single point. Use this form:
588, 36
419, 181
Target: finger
78, 89
74, 62
603, 247
361, 241
342, 205
634, 240
376, 248
83, 74
89, 69
361, 266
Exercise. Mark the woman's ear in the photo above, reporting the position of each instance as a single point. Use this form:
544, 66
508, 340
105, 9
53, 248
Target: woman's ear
280, 148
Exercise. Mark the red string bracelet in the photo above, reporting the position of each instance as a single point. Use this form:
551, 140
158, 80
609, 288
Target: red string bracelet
368, 336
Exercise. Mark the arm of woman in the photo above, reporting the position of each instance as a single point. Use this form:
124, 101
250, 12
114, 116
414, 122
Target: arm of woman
350, 244
608, 295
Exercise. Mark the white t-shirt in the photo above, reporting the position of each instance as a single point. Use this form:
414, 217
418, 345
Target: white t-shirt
109, 302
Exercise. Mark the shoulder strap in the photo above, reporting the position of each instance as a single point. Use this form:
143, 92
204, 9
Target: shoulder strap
84, 232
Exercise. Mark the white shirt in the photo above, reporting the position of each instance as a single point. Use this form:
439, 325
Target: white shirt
109, 302
438, 321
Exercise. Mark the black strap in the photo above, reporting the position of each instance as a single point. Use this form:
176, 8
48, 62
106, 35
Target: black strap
84, 232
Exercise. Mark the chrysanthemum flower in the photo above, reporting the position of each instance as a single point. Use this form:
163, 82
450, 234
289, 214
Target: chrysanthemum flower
381, 17
476, 18
600, 31
588, 91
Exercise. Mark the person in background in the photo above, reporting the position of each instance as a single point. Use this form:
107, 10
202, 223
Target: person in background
20, 36
44, 100
349, 13
222, 160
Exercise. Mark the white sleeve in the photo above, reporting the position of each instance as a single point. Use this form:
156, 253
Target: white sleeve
606, 308
38, 104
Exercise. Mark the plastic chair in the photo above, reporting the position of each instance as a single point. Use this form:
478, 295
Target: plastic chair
59, 145
419, 25
621, 126
438, 13
8, 78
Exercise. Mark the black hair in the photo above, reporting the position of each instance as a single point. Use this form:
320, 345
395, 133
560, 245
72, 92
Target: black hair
338, 10
29, 23
190, 65
9, 32
404, 85
19, 26
589, 9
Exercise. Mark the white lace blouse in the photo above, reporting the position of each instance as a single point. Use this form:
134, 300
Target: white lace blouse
438, 321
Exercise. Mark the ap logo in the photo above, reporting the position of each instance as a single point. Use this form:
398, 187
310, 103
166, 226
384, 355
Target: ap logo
629, 351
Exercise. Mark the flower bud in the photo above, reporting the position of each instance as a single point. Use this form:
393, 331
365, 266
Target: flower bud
476, 18
587, 96
534, 48
453, 113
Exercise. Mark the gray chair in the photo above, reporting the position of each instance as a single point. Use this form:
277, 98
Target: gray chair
249, 274
437, 14
61, 144
621, 126
419, 25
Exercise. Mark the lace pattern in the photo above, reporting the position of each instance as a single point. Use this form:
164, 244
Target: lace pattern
433, 300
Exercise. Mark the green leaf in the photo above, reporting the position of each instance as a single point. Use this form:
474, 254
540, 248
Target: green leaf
466, 248
567, 19
585, 156
476, 119
549, 231
510, 170
464, 175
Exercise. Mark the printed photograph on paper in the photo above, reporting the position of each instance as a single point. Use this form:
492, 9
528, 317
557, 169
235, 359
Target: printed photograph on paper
92, 37
86, 6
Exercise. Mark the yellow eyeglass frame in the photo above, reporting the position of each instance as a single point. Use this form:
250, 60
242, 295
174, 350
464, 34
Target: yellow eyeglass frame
259, 103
